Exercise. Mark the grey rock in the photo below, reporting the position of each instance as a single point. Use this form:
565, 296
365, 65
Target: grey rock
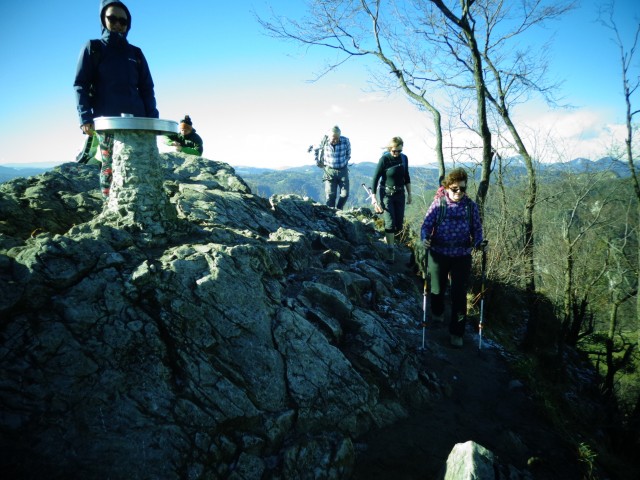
190, 329
471, 461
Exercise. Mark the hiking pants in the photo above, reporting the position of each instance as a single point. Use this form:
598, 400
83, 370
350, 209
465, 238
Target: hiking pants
393, 214
106, 171
441, 267
336, 182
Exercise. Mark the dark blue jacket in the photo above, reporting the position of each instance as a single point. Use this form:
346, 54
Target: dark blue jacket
113, 77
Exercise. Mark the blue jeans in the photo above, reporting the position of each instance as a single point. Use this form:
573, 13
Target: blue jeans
336, 182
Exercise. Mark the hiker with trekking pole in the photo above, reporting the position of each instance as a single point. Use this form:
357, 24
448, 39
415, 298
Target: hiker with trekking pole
451, 229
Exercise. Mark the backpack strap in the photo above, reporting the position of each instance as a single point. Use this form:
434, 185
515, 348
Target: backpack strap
442, 212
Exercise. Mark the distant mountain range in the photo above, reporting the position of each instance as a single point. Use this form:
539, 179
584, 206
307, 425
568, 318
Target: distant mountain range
13, 170
306, 180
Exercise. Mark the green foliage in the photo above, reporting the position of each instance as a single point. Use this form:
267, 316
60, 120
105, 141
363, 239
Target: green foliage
588, 457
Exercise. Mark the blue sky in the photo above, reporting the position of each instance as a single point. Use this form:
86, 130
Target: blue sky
249, 95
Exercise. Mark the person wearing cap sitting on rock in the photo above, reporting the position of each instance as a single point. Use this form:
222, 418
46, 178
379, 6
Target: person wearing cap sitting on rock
187, 141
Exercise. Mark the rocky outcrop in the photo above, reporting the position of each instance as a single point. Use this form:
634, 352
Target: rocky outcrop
258, 339
471, 461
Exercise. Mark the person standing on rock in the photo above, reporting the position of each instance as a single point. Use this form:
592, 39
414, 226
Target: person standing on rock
451, 229
112, 78
392, 176
334, 153
187, 141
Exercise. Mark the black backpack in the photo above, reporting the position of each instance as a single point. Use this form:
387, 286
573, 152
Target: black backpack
319, 152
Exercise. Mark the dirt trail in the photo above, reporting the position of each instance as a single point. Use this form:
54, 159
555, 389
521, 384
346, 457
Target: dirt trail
482, 402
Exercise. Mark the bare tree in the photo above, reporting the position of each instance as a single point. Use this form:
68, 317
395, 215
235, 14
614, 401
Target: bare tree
585, 216
629, 88
504, 78
614, 342
630, 85
357, 29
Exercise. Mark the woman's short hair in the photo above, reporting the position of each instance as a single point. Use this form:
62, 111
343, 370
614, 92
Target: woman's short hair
456, 175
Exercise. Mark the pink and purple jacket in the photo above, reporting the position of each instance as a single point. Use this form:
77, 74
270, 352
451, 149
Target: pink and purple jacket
457, 234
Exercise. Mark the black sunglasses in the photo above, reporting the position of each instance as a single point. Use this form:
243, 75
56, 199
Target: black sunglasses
121, 20
458, 189
396, 151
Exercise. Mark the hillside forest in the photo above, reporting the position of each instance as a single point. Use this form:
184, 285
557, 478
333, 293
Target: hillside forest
585, 267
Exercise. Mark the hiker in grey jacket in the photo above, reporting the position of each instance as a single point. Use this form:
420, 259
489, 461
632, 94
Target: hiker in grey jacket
112, 78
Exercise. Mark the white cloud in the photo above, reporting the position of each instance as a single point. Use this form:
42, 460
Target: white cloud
335, 110
562, 135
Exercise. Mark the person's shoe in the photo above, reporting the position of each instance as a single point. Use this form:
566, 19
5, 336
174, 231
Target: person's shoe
456, 341
437, 318
391, 255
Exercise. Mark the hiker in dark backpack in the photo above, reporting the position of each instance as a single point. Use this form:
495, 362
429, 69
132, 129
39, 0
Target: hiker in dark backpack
392, 178
450, 230
112, 78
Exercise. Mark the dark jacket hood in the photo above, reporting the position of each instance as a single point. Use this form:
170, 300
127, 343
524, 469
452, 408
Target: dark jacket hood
103, 7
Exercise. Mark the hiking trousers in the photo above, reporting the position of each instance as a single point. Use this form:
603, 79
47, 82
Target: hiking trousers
393, 214
336, 186
106, 171
458, 269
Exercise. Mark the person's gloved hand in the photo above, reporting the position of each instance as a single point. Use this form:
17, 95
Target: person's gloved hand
482, 245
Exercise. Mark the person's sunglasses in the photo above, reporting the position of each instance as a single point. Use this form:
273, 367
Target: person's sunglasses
396, 151
121, 20
458, 189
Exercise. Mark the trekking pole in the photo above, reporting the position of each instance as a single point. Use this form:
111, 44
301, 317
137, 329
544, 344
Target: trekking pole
371, 195
483, 245
425, 296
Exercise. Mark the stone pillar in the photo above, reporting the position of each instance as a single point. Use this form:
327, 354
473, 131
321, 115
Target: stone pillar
137, 201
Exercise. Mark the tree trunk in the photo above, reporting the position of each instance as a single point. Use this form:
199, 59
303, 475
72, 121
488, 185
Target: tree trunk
481, 93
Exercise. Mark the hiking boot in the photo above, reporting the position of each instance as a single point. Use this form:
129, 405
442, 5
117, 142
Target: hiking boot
456, 341
391, 255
